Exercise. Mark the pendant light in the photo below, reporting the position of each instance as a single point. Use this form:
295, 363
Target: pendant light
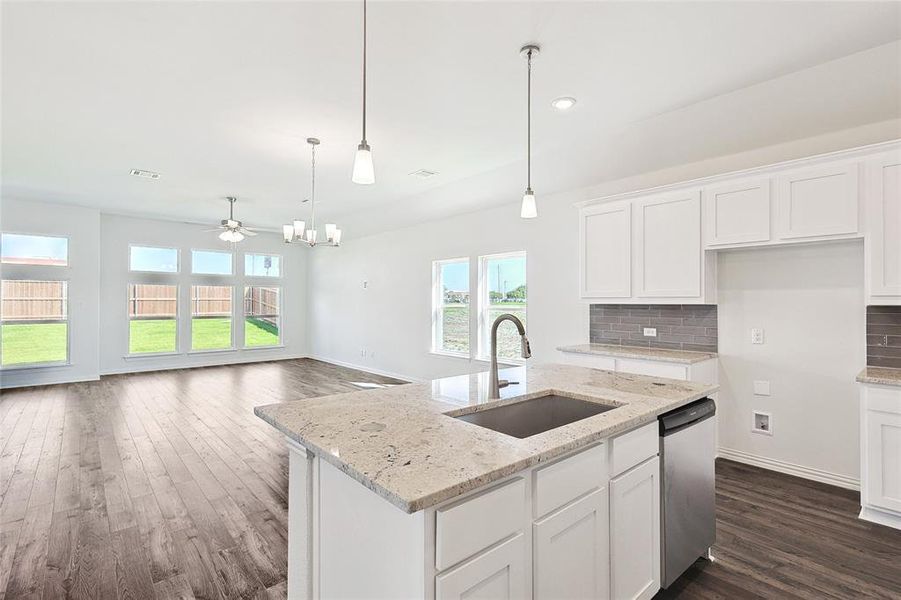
529, 210
364, 172
298, 231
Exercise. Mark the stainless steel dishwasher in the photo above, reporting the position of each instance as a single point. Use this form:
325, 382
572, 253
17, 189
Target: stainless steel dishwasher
687, 487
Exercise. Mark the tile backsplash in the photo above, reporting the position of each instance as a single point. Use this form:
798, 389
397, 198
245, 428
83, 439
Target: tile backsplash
884, 336
679, 326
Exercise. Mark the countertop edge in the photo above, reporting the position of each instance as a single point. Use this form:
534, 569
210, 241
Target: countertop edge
879, 376
629, 352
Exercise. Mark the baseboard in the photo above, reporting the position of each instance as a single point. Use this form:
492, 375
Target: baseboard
874, 515
365, 369
842, 481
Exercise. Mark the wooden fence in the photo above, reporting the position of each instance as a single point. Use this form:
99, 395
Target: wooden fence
33, 300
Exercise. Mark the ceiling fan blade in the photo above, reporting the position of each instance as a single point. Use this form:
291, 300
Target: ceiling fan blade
246, 231
214, 229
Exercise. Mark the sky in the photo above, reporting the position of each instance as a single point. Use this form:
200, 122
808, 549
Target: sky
14, 245
504, 274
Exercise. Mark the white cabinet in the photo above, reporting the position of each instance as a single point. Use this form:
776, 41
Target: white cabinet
817, 202
635, 532
605, 243
737, 212
497, 574
884, 229
571, 551
880, 454
667, 243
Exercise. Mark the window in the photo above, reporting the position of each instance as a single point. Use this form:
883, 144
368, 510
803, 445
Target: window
450, 316
152, 314
502, 289
262, 265
153, 260
261, 316
211, 317
211, 262
34, 322
20, 249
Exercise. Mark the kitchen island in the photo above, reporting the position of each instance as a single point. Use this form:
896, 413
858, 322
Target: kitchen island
390, 496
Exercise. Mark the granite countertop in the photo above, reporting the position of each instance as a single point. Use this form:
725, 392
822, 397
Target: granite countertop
880, 375
640, 353
401, 443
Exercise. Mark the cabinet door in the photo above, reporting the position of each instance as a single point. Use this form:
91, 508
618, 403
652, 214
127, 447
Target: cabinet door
635, 532
817, 202
605, 251
737, 213
498, 574
884, 226
667, 238
883, 449
571, 551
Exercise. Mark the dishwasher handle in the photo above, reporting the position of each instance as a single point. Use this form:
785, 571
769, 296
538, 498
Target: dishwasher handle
679, 419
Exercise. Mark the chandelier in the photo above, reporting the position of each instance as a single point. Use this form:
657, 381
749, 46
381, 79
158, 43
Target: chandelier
298, 231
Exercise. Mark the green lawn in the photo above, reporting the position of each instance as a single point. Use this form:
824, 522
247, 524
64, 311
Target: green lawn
455, 328
34, 343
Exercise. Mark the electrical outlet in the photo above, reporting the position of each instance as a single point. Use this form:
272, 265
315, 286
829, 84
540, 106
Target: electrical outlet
761, 388
762, 423
650, 332
363, 352
756, 335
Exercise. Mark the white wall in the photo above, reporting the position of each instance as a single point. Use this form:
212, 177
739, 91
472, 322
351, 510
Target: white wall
82, 227
116, 233
810, 302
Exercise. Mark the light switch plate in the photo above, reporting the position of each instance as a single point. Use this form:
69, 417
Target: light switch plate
650, 332
756, 335
761, 388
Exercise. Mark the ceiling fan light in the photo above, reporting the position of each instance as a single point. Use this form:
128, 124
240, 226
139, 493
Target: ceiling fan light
364, 173
226, 236
237, 236
528, 210
288, 233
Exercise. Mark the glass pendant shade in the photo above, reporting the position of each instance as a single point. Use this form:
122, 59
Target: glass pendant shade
364, 173
330, 229
311, 236
336, 239
528, 210
288, 233
299, 226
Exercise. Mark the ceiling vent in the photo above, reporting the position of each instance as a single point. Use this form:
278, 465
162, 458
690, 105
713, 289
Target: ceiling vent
424, 173
145, 174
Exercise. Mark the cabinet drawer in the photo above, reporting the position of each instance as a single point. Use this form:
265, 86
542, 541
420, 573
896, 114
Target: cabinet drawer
471, 525
566, 480
634, 447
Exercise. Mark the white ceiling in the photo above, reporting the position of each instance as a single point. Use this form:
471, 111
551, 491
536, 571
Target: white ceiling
219, 97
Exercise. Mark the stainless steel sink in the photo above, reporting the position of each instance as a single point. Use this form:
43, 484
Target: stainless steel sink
530, 417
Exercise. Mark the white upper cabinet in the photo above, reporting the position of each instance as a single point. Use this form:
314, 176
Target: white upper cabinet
605, 243
737, 212
817, 202
884, 229
667, 245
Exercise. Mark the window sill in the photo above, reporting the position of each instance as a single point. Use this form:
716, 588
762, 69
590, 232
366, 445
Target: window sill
211, 351
441, 353
31, 366
275, 347
508, 362
150, 355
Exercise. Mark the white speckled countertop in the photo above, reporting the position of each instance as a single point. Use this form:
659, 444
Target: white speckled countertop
400, 443
640, 353
880, 375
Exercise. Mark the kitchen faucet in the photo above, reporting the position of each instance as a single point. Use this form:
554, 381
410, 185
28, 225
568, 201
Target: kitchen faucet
495, 385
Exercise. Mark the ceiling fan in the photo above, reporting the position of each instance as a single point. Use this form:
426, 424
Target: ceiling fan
231, 229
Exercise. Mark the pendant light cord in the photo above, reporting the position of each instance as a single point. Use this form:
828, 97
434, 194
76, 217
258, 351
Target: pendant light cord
529, 124
313, 192
364, 71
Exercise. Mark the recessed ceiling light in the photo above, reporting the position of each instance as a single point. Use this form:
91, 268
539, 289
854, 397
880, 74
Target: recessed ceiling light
564, 103
423, 173
145, 174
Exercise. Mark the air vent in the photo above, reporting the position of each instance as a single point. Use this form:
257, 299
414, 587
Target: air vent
424, 173
145, 174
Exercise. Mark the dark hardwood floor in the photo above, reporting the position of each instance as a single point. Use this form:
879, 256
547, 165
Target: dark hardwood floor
165, 485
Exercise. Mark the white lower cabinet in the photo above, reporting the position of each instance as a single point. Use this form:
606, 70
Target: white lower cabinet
571, 556
635, 532
497, 574
880, 455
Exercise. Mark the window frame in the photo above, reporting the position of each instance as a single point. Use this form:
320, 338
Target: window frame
190, 342
231, 253
281, 267
175, 284
281, 329
68, 264
48, 364
484, 305
178, 265
438, 307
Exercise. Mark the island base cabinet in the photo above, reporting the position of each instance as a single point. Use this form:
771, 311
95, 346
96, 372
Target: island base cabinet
571, 551
635, 532
497, 574
880, 455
